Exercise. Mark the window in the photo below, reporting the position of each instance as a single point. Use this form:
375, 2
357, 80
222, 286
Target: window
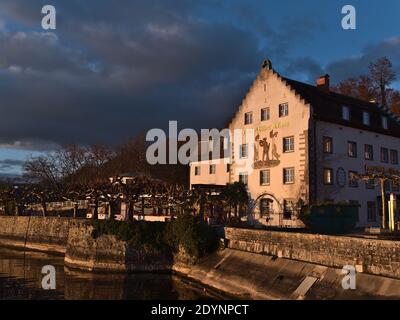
265, 177
371, 211
385, 123
328, 145
244, 178
370, 184
353, 181
243, 151
328, 176
283, 110
248, 118
288, 209
352, 149
228, 167
210, 144
288, 144
366, 118
369, 152
384, 155
265, 114
394, 157
345, 113
288, 175
213, 169
197, 171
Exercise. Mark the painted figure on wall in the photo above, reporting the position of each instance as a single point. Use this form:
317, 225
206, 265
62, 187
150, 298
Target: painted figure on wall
265, 145
270, 156
256, 148
275, 154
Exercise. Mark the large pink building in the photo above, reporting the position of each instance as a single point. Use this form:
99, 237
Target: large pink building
306, 144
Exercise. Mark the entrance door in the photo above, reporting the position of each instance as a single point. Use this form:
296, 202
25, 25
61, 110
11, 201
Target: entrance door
266, 207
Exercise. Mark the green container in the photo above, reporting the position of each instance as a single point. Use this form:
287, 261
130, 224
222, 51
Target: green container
330, 219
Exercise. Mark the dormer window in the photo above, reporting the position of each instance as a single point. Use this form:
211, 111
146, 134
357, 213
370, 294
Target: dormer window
385, 123
366, 118
345, 113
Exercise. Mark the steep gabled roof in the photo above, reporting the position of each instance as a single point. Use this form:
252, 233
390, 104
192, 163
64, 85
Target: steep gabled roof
327, 106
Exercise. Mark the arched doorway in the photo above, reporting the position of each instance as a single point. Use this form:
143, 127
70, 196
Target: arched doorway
267, 210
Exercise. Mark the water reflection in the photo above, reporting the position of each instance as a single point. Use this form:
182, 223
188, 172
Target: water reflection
20, 278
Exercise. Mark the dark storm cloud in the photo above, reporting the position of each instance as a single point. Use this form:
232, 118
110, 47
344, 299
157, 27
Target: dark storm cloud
358, 65
341, 69
114, 69
108, 73
307, 67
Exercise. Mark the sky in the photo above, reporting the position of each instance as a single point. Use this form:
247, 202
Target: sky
114, 69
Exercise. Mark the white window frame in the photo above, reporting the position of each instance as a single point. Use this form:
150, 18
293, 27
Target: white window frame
244, 151
285, 110
292, 175
267, 175
290, 144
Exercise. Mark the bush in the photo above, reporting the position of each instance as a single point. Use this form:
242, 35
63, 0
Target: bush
330, 218
187, 232
191, 234
148, 236
9, 209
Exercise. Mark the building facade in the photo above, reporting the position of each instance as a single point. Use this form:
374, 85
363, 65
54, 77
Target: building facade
303, 144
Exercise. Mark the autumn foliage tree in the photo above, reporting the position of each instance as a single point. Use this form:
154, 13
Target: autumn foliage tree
374, 86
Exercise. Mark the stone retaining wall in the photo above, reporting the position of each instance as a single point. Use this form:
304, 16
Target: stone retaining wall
379, 257
107, 253
47, 234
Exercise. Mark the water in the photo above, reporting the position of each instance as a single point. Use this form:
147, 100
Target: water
20, 278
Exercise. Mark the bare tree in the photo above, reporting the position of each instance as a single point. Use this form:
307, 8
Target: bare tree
43, 169
382, 75
374, 86
379, 177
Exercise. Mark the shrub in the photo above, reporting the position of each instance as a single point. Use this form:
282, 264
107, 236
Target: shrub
330, 218
191, 234
148, 236
187, 232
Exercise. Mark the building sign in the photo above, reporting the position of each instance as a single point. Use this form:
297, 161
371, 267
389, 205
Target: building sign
274, 126
382, 170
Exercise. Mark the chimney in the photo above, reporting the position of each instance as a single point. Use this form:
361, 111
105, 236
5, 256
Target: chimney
323, 83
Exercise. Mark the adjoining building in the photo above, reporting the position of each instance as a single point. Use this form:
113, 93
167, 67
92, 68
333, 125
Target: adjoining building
308, 144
